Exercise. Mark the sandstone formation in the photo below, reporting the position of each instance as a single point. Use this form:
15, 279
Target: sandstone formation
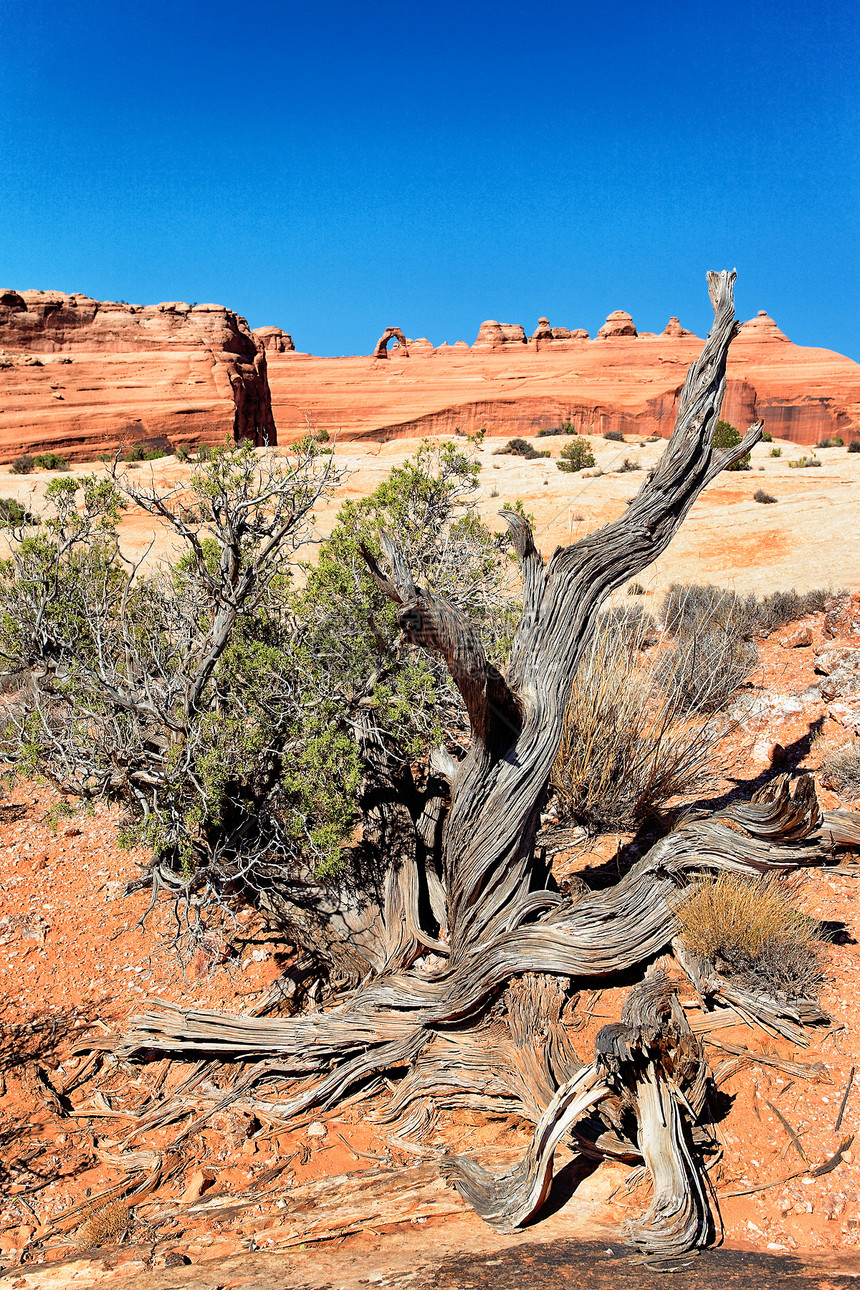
274, 340
509, 385
618, 323
83, 376
391, 333
674, 329
495, 335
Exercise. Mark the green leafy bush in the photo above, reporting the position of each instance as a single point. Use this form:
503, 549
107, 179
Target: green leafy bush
521, 448
776, 452
50, 461
576, 455
144, 452
13, 514
835, 441
727, 436
566, 427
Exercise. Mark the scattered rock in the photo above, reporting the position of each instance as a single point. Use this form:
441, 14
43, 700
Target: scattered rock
828, 659
317, 1130
797, 639
196, 1185
843, 681
176, 1259
617, 324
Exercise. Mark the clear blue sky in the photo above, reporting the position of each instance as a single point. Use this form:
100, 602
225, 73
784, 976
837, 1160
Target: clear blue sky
336, 168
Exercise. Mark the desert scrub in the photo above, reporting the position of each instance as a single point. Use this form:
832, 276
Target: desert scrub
13, 514
727, 436
103, 1226
776, 452
614, 435
627, 465
635, 589
22, 465
842, 770
50, 461
704, 671
765, 498
753, 932
691, 607
854, 445
521, 448
627, 748
804, 463
576, 455
566, 427
835, 441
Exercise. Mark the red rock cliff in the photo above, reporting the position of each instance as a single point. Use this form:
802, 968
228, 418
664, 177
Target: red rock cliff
83, 376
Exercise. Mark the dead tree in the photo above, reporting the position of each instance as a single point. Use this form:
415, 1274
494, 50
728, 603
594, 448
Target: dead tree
483, 1023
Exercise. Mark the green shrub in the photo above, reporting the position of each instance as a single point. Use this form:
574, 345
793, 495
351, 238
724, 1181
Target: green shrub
727, 436
835, 442
50, 461
566, 427
576, 455
13, 514
182, 452
804, 463
627, 465
776, 452
765, 498
144, 452
766, 436
22, 465
521, 448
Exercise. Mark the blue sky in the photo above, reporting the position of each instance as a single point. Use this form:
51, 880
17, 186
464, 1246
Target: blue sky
334, 169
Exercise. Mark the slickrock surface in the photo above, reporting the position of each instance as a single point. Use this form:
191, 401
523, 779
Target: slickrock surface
82, 376
509, 385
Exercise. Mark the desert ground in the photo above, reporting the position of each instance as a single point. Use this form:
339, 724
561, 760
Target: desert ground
97, 1189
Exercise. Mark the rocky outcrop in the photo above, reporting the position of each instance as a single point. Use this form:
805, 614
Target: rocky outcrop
495, 335
513, 388
674, 330
273, 340
391, 333
617, 324
762, 328
113, 372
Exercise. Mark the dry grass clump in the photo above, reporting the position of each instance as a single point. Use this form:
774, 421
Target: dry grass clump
627, 746
690, 608
753, 932
842, 769
104, 1225
703, 672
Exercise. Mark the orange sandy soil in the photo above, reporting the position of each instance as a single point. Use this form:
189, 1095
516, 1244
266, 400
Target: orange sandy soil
75, 962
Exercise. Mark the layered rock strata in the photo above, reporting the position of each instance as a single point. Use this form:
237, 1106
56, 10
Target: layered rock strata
82, 376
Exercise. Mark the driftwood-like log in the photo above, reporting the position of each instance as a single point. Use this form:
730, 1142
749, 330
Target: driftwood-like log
469, 1024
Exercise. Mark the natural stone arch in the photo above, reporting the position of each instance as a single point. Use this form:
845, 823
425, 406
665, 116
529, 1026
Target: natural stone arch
390, 333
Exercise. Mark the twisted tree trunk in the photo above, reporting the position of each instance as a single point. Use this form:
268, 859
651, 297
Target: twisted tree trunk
502, 932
